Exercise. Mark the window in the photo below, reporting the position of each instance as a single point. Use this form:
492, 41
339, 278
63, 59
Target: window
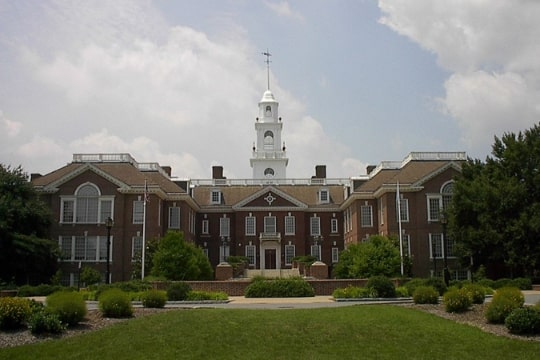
84, 248
406, 243
174, 217
269, 172
136, 247
250, 226
138, 212
382, 208
334, 226
205, 227
335, 255
205, 251
290, 225
215, 197
316, 251
315, 226
449, 246
224, 226
324, 196
366, 216
403, 209
434, 207
224, 252
270, 225
250, 254
290, 251
105, 211
68, 211
435, 246
86, 206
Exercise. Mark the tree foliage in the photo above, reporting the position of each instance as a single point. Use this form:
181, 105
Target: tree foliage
377, 256
176, 259
495, 216
26, 254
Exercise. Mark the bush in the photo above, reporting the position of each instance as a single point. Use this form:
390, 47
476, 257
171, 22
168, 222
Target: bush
292, 287
456, 300
487, 283
426, 295
412, 284
351, 292
205, 295
476, 293
401, 291
115, 303
39, 290
522, 283
381, 286
178, 291
503, 303
523, 321
45, 322
437, 283
13, 312
69, 306
154, 299
90, 276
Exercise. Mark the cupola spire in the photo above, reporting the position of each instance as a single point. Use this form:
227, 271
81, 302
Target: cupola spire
267, 61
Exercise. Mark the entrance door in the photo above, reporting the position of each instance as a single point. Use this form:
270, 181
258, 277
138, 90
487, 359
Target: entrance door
270, 258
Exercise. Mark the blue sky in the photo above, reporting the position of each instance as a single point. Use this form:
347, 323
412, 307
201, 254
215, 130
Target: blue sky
178, 82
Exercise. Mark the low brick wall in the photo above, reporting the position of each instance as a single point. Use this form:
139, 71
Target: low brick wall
237, 287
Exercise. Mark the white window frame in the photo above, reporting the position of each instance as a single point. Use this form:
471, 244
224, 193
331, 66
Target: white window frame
290, 225
335, 255
404, 209
366, 216
406, 242
174, 218
270, 224
315, 226
316, 251
224, 226
138, 211
290, 253
85, 248
136, 246
334, 226
251, 225
205, 227
435, 243
434, 209
251, 254
324, 196
104, 207
215, 197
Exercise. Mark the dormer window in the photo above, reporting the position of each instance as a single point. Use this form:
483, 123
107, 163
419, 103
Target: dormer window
215, 196
324, 196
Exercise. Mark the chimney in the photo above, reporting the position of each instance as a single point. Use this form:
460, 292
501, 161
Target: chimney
370, 168
167, 169
35, 176
217, 172
320, 171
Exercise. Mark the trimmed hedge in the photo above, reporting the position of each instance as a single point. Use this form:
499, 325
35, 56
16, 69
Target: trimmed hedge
205, 295
381, 286
456, 300
351, 292
69, 306
154, 299
476, 293
292, 287
178, 291
115, 303
504, 301
523, 321
426, 295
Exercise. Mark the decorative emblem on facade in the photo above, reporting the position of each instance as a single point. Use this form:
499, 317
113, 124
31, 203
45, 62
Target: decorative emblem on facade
269, 199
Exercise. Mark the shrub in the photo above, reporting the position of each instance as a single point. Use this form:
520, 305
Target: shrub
178, 291
426, 295
401, 291
39, 290
206, 295
503, 282
522, 283
523, 321
487, 283
351, 292
90, 276
476, 293
503, 303
69, 306
437, 283
456, 300
154, 299
13, 312
412, 284
115, 303
381, 286
292, 287
42, 322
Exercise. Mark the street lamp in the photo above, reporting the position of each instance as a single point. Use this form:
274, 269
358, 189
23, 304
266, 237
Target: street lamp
444, 223
108, 224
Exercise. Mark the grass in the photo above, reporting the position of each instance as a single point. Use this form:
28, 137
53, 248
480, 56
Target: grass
367, 332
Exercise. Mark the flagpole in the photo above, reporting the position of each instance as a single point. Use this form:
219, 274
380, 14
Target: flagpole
398, 203
145, 197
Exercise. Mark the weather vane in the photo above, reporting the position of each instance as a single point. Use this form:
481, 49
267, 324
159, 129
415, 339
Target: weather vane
267, 61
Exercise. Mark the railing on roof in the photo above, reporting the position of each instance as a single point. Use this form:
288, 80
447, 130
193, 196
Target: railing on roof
118, 158
265, 182
419, 156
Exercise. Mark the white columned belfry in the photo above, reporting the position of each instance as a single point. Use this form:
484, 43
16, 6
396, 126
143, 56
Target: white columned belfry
269, 160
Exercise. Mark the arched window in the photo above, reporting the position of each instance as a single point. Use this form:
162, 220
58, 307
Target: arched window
268, 111
87, 204
269, 172
268, 140
447, 190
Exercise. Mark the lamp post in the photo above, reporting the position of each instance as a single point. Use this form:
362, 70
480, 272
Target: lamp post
444, 223
108, 224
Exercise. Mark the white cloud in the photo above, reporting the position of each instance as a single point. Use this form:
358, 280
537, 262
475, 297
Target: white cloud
283, 9
491, 49
12, 128
41, 148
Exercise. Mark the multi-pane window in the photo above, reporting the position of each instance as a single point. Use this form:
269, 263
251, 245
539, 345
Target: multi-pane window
138, 212
250, 226
449, 246
324, 196
335, 255
404, 209
105, 210
434, 208
315, 226
174, 217
334, 226
250, 254
68, 211
290, 251
224, 252
224, 226
215, 197
136, 247
87, 206
316, 251
84, 248
405, 242
366, 216
290, 225
270, 225
205, 227
435, 246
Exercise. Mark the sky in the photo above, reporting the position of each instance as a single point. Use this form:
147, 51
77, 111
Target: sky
178, 82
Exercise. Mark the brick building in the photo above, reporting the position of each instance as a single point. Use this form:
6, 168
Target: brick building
269, 219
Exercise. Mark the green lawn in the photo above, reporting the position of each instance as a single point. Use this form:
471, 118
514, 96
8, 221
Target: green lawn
366, 332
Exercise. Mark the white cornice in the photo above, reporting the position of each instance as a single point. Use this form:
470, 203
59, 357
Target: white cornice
241, 205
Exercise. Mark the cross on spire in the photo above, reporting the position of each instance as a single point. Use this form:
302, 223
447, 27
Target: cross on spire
267, 61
